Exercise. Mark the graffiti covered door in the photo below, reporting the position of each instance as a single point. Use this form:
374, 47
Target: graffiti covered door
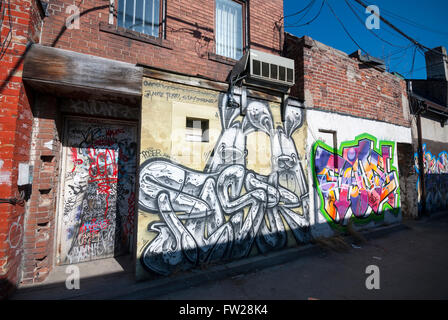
98, 203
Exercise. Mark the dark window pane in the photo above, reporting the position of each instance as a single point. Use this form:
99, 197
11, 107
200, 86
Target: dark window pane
265, 69
290, 75
274, 71
282, 73
256, 67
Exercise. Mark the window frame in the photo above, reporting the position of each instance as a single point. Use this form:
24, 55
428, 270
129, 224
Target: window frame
244, 31
113, 19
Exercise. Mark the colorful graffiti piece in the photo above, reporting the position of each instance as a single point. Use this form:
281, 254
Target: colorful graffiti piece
436, 179
358, 181
226, 210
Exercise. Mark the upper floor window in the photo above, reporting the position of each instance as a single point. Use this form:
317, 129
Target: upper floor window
140, 15
229, 28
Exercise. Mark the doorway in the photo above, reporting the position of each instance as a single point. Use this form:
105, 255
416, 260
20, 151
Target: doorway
98, 182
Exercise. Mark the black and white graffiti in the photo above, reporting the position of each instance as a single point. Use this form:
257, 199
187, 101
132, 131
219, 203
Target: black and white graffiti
223, 212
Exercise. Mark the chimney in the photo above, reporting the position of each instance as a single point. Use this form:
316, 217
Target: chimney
436, 64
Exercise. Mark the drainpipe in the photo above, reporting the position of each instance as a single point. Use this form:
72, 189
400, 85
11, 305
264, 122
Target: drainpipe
421, 167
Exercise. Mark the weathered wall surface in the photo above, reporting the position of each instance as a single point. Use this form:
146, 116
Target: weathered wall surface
189, 46
435, 162
243, 192
20, 24
360, 181
328, 79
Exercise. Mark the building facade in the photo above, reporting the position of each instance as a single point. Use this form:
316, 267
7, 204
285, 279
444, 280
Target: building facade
128, 131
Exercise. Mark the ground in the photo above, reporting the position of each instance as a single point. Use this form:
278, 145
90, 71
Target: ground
412, 260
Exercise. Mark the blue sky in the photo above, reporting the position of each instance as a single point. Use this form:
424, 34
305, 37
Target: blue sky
425, 21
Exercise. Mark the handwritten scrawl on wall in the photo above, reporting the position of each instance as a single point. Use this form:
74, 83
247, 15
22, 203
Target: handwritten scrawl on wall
436, 179
226, 210
359, 181
99, 191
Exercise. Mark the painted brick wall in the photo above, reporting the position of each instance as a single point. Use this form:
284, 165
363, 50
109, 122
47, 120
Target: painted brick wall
21, 25
189, 35
330, 80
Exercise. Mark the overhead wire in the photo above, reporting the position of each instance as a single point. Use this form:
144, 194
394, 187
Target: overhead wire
345, 29
373, 33
310, 21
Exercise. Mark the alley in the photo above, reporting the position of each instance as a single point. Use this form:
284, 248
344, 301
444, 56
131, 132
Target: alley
412, 260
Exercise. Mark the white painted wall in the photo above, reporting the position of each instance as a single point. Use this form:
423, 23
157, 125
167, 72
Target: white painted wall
347, 129
432, 130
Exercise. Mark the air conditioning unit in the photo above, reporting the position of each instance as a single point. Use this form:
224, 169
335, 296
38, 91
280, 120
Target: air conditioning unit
262, 69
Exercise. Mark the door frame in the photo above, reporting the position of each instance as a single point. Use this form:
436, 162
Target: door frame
58, 232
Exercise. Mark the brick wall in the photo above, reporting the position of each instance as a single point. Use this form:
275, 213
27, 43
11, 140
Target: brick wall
21, 25
330, 80
189, 35
38, 242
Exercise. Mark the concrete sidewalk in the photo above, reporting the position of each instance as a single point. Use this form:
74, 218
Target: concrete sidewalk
412, 259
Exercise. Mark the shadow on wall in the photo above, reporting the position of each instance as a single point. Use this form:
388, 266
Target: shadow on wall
228, 212
223, 212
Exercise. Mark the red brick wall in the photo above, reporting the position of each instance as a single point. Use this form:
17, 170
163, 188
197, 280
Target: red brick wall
330, 80
189, 33
38, 243
16, 121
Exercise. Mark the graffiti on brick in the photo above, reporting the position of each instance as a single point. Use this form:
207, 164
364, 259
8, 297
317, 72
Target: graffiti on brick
99, 195
358, 181
226, 210
436, 179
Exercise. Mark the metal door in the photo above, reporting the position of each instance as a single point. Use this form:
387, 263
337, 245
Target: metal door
97, 206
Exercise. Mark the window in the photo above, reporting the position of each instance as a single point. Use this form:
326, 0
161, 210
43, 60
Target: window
197, 130
229, 29
140, 15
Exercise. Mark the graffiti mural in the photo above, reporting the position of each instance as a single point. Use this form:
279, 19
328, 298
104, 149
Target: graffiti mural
358, 182
226, 210
436, 179
99, 191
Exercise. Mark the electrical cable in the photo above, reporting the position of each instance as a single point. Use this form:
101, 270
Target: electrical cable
305, 14
345, 29
373, 33
314, 18
411, 22
298, 12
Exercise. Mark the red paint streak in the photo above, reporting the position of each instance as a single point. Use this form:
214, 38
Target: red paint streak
75, 159
99, 170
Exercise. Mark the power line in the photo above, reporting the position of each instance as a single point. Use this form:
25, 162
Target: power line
345, 29
298, 12
315, 17
373, 33
399, 31
305, 13
412, 23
